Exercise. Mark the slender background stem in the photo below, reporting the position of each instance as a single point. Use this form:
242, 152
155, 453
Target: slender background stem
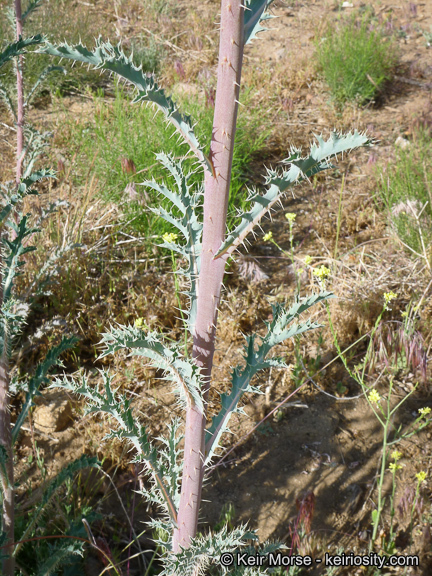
20, 96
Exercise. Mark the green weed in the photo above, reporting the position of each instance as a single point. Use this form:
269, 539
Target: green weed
148, 54
355, 58
160, 7
405, 192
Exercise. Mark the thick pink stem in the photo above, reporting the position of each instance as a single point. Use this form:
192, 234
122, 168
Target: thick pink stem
216, 196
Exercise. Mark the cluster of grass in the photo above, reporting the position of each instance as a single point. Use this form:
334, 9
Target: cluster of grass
355, 57
148, 54
160, 7
127, 136
405, 192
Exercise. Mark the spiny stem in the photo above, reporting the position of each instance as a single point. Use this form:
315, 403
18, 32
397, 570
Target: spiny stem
20, 97
216, 193
7, 477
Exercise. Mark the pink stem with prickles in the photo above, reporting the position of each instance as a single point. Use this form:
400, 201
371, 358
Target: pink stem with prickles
216, 194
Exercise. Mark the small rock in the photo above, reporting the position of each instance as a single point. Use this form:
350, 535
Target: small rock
54, 412
403, 143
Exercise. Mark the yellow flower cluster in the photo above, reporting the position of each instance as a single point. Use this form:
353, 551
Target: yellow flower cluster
169, 237
424, 411
388, 297
139, 323
393, 466
268, 236
290, 216
421, 476
322, 273
396, 455
308, 260
374, 397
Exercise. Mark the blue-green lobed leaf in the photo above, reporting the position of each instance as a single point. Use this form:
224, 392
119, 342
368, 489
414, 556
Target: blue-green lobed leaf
255, 360
183, 372
300, 168
254, 14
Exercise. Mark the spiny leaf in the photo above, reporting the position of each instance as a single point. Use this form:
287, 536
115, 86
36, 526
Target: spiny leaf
300, 168
13, 314
15, 249
118, 407
170, 468
278, 329
19, 47
188, 204
182, 371
35, 144
108, 57
254, 14
205, 550
255, 360
24, 189
32, 6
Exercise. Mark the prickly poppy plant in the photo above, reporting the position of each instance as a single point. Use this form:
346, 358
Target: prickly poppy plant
203, 245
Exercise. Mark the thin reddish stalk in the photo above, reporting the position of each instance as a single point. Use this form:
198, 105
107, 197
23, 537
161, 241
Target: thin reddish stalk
216, 195
20, 97
7, 477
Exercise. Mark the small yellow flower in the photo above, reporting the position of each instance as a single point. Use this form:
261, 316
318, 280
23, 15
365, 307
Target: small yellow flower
169, 237
404, 314
394, 467
290, 216
322, 273
421, 476
308, 260
388, 297
139, 323
374, 397
300, 271
268, 236
396, 455
424, 411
